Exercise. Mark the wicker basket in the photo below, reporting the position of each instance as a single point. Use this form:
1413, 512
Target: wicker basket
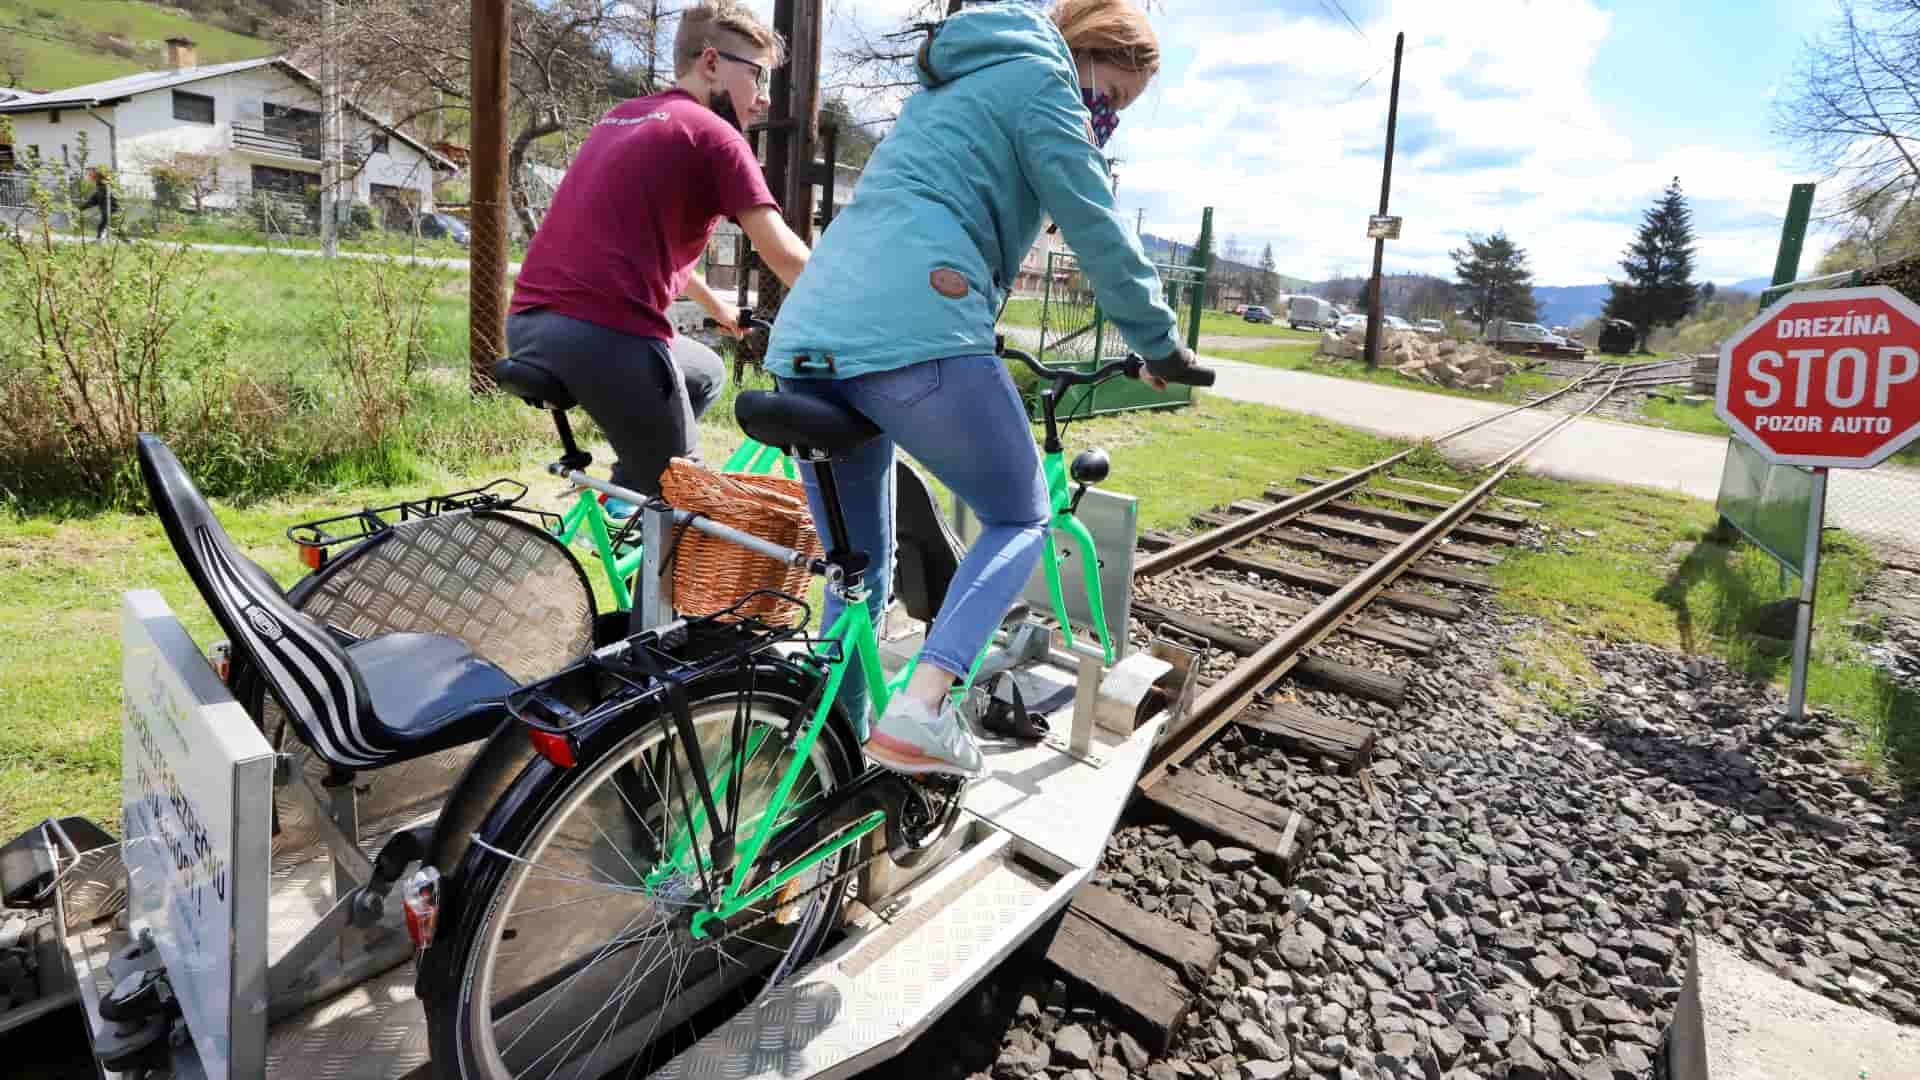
710, 574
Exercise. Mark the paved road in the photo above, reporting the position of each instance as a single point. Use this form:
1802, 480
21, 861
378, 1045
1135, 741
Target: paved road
1883, 502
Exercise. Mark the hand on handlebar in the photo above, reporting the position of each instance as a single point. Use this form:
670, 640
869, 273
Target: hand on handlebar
739, 322
728, 320
1178, 366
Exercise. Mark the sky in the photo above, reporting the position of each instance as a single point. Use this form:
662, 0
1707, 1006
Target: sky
1557, 121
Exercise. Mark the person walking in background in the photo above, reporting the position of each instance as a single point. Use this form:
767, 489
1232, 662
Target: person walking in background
102, 197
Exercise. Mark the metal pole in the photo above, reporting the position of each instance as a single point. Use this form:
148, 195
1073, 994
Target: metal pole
1200, 287
1793, 233
1809, 583
329, 133
487, 266
1386, 185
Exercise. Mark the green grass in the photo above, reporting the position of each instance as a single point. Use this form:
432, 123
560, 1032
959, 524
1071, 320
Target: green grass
1633, 564
1299, 357
376, 243
63, 44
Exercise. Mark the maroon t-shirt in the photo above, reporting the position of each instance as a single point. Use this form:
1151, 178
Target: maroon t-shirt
635, 212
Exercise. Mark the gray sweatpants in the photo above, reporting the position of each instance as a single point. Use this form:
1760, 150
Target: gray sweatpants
645, 395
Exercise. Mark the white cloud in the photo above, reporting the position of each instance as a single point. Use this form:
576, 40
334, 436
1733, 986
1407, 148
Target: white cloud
1498, 129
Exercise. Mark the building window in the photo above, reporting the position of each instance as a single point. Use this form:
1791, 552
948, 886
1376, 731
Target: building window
53, 116
193, 108
379, 143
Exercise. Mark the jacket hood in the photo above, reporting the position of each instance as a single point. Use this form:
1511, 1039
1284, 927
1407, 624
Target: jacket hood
981, 37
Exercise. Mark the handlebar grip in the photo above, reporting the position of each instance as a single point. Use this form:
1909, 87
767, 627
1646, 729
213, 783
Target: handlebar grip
1186, 375
1193, 376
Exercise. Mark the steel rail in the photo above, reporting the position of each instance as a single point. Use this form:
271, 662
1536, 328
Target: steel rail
1220, 703
1205, 545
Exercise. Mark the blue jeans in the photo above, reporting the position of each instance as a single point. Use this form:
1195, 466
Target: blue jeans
962, 419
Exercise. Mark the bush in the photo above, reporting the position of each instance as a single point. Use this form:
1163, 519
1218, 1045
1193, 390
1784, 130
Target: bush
374, 327
108, 341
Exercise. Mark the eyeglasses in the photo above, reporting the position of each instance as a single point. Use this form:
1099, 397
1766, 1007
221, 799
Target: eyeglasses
762, 75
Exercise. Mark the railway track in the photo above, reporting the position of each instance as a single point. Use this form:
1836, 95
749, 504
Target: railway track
1334, 582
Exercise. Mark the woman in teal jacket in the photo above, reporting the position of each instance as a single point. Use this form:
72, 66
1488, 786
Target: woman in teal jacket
902, 294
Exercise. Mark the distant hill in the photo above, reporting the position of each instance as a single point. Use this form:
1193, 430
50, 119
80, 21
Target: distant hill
1161, 249
1574, 305
1569, 305
72, 44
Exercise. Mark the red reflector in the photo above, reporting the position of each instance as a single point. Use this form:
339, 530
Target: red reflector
422, 906
555, 748
312, 556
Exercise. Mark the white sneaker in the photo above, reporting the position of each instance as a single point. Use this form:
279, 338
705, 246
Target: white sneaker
909, 739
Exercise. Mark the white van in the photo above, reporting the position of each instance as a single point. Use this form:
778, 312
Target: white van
1310, 313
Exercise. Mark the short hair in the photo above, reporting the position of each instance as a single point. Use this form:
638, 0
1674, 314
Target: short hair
703, 25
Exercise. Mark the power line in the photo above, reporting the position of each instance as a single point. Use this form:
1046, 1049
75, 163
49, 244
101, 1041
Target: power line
1341, 8
1363, 84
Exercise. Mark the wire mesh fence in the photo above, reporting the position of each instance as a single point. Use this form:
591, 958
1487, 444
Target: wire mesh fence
1071, 326
272, 210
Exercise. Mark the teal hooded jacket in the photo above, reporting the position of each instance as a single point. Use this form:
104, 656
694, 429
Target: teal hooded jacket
996, 138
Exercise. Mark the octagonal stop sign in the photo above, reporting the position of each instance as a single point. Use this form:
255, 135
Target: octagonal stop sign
1826, 378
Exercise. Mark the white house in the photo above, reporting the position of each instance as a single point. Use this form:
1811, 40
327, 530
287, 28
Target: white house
259, 118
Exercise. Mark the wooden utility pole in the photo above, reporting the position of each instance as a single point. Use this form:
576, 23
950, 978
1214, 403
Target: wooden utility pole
1374, 314
487, 265
793, 131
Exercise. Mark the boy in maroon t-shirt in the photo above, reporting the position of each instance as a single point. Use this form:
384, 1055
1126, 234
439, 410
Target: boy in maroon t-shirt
626, 229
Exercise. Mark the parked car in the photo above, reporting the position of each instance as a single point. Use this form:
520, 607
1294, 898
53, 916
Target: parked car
1257, 314
1350, 322
1395, 322
1530, 339
1430, 327
1310, 313
1238, 309
434, 225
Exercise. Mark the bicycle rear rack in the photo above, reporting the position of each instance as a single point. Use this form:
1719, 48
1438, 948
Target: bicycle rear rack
318, 538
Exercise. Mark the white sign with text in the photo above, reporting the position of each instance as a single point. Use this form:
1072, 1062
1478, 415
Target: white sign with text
197, 805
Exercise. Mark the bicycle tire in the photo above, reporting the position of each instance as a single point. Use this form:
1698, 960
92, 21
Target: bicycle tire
456, 973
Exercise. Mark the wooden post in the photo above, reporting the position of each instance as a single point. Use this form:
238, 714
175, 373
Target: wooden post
793, 121
1374, 314
487, 266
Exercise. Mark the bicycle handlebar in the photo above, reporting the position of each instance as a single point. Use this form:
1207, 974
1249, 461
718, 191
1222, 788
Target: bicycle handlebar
1133, 366
747, 320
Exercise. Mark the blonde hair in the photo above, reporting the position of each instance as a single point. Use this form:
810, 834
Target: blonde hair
1112, 31
702, 27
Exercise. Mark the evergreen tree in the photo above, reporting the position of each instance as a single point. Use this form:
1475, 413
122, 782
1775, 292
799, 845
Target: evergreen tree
1493, 272
1269, 276
1659, 290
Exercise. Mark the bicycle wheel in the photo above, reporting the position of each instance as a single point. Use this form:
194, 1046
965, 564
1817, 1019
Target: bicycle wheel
574, 957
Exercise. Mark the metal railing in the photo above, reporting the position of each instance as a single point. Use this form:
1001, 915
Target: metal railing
295, 144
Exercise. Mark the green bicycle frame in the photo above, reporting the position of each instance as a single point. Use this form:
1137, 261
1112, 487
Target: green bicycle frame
854, 634
587, 513
759, 459
1060, 495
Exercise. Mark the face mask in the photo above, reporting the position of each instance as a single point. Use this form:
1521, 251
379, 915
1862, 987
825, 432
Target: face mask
1105, 120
